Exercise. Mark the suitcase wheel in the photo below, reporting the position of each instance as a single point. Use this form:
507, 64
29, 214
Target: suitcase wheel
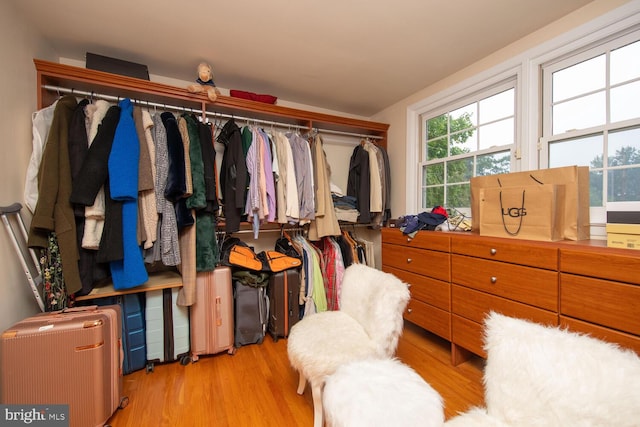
123, 402
232, 351
150, 367
185, 360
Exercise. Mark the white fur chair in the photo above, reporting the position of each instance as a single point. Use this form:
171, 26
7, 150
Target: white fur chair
544, 376
386, 392
367, 325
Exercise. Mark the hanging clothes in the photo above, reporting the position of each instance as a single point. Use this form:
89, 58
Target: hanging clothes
169, 243
123, 184
53, 211
233, 176
148, 209
41, 123
94, 211
325, 222
303, 175
359, 183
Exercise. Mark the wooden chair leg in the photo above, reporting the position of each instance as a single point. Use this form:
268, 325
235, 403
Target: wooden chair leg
302, 383
318, 413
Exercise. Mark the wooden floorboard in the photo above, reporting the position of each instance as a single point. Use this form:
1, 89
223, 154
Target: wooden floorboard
257, 387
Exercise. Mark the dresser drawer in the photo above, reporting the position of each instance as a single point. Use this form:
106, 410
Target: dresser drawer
434, 240
605, 334
604, 263
467, 334
523, 284
429, 317
475, 305
420, 261
606, 303
425, 289
533, 254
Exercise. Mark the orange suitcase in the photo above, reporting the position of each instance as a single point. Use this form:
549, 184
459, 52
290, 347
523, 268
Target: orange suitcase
71, 357
211, 317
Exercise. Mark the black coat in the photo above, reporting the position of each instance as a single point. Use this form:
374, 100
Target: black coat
359, 183
233, 175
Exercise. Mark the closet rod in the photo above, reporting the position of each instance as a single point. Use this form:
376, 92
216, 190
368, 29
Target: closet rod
359, 135
249, 119
117, 98
208, 113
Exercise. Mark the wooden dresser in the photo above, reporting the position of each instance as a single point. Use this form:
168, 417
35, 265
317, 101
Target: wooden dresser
457, 278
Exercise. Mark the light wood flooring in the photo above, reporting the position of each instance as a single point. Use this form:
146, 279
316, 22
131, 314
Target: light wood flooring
257, 387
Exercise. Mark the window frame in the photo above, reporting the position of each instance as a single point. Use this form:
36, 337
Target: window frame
526, 65
589, 51
468, 99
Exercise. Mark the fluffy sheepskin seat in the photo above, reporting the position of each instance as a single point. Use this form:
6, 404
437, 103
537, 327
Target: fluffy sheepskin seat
544, 376
380, 393
368, 325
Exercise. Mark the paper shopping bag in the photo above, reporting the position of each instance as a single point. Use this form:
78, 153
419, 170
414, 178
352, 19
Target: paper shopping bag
575, 204
533, 212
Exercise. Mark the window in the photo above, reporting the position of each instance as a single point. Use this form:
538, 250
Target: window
469, 137
591, 117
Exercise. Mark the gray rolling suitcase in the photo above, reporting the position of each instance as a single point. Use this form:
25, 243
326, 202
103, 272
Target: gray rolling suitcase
251, 313
167, 328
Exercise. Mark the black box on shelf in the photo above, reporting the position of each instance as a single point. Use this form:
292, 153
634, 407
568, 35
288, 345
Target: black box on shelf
116, 66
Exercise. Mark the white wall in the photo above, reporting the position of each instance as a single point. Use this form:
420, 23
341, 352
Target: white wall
19, 45
396, 115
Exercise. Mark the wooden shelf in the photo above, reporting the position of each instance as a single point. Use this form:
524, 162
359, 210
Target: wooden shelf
161, 280
83, 79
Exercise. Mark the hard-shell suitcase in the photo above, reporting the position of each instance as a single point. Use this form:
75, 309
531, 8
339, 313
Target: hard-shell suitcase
284, 308
212, 314
134, 344
251, 313
70, 357
167, 327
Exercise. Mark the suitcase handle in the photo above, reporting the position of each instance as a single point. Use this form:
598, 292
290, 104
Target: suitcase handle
218, 311
80, 309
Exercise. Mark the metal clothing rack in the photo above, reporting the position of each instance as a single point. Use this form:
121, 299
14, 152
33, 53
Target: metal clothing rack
213, 114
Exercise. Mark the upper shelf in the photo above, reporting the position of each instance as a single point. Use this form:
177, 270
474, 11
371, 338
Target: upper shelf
83, 79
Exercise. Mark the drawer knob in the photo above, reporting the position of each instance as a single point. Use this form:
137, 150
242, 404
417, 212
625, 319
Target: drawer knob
408, 285
494, 279
493, 251
409, 260
409, 310
408, 239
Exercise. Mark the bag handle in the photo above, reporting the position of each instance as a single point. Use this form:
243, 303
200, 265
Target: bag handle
512, 233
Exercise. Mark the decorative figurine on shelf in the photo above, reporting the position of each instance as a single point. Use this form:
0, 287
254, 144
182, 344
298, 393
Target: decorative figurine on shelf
205, 82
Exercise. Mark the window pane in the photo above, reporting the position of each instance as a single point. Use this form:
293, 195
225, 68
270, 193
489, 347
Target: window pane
625, 63
624, 102
622, 185
496, 134
579, 113
467, 113
493, 164
585, 151
624, 148
437, 149
434, 197
460, 170
595, 188
464, 142
433, 174
497, 106
581, 78
459, 196
437, 126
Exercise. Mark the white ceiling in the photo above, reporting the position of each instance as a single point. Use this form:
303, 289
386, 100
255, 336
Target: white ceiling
352, 56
